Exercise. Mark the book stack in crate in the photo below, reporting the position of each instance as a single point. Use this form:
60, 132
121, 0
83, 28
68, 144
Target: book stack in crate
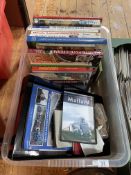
58, 116
65, 50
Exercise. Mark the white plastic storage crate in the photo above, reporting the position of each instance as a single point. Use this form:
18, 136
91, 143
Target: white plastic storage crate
107, 87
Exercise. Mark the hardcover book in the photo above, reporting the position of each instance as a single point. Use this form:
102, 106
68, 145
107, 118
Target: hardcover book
61, 46
66, 21
74, 77
51, 58
38, 134
61, 31
66, 40
19, 153
63, 69
78, 123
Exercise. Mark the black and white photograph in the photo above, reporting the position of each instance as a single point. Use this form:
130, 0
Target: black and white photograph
42, 96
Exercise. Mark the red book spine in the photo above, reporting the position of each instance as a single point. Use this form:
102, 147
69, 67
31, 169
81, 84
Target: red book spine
63, 17
62, 69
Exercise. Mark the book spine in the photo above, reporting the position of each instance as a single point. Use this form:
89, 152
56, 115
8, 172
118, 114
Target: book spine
64, 65
64, 34
63, 29
29, 122
51, 46
67, 52
68, 17
62, 69
67, 22
63, 77
63, 40
64, 60
58, 46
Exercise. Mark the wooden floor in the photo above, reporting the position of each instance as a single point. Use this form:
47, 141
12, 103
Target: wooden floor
116, 16
115, 13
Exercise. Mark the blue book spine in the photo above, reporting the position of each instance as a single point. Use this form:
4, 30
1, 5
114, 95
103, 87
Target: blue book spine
64, 40
29, 119
38, 121
36, 126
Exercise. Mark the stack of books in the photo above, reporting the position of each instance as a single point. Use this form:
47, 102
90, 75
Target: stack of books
65, 50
